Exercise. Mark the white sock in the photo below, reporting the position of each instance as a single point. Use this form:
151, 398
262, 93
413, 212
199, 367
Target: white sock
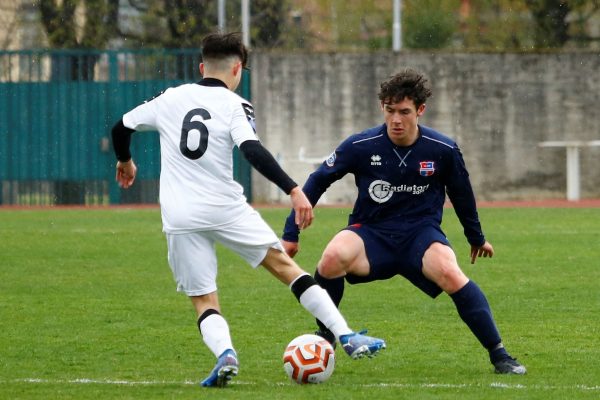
215, 333
316, 300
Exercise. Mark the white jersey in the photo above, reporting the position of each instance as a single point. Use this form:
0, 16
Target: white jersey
199, 125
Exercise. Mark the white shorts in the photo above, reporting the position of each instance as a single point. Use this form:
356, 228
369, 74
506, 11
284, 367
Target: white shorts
193, 259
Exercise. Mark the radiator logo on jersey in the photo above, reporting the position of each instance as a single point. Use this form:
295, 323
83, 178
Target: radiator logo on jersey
427, 168
330, 160
250, 115
381, 191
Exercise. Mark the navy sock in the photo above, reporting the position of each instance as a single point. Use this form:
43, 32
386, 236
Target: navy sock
498, 354
335, 289
474, 310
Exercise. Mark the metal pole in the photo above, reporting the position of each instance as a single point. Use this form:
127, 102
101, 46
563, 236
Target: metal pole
397, 26
246, 22
573, 176
221, 16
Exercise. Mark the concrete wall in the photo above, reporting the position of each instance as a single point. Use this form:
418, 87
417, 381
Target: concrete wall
498, 107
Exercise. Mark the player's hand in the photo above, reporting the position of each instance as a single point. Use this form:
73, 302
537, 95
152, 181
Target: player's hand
291, 248
303, 208
485, 250
126, 172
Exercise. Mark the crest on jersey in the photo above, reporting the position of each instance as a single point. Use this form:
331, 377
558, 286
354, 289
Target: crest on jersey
249, 110
427, 168
330, 160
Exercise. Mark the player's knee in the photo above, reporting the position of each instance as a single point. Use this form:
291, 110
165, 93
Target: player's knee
440, 266
331, 264
450, 277
450, 271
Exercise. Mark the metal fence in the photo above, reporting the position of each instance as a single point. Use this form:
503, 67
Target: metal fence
56, 112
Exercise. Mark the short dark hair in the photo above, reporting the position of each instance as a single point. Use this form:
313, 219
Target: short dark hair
405, 84
218, 46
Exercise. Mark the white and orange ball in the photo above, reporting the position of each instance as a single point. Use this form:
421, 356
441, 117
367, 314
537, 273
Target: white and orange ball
309, 359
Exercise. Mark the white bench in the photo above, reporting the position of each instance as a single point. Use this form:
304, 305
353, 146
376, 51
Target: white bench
573, 175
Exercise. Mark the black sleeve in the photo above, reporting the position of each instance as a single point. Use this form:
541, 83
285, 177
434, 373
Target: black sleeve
121, 137
264, 162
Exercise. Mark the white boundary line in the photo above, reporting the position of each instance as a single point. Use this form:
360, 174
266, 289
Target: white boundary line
497, 385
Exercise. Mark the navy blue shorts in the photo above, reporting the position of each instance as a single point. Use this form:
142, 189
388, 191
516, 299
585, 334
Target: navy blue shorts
399, 252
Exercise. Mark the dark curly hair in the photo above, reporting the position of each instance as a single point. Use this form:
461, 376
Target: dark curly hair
218, 46
405, 84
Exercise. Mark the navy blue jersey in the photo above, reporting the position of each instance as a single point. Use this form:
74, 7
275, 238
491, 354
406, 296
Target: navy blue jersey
398, 185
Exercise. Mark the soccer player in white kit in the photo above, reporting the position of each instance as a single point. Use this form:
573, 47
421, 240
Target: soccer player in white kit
201, 204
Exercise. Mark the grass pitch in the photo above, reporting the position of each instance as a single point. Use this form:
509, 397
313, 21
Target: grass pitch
88, 310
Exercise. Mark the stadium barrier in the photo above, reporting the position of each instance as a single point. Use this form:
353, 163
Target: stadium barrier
57, 108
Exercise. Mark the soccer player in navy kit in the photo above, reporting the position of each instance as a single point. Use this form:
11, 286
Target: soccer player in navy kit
201, 204
403, 171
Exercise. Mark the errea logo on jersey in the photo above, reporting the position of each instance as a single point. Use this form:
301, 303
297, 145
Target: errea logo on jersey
375, 159
381, 191
330, 160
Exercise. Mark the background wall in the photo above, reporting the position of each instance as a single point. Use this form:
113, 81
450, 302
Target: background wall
498, 107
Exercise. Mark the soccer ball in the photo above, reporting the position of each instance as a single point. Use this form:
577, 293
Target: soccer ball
309, 359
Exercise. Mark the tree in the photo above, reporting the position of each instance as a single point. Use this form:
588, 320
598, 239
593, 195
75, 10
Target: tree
558, 21
183, 23
585, 12
495, 25
172, 23
269, 20
429, 24
66, 29
551, 26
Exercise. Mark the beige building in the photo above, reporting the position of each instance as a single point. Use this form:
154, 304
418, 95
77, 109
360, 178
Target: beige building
9, 23
19, 25
20, 29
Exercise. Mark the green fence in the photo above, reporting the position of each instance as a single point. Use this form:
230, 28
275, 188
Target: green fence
56, 112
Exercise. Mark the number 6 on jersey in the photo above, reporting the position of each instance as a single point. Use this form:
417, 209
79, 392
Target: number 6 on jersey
189, 124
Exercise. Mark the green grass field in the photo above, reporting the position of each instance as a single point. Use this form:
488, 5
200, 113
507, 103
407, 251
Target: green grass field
88, 310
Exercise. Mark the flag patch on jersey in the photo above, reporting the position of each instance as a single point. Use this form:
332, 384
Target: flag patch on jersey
427, 168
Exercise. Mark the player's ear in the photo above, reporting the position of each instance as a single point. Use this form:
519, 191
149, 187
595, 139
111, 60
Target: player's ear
201, 67
237, 68
421, 110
